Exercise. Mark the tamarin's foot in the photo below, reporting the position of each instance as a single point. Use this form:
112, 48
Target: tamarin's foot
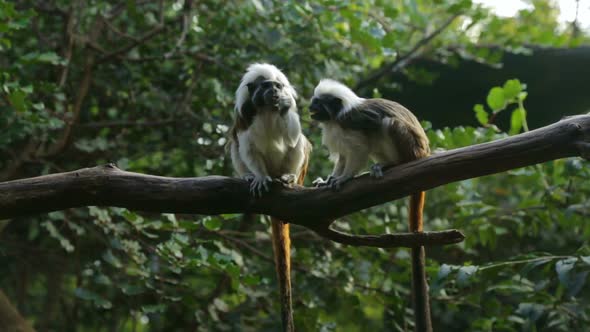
335, 183
260, 185
288, 179
319, 182
248, 177
376, 171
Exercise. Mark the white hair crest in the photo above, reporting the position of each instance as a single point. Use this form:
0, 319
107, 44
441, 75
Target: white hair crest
334, 88
269, 72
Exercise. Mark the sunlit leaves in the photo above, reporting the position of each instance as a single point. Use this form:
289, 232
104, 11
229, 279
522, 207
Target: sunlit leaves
495, 99
481, 114
95, 298
212, 223
500, 98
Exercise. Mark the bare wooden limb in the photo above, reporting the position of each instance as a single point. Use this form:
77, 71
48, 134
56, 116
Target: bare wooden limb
311, 207
408, 240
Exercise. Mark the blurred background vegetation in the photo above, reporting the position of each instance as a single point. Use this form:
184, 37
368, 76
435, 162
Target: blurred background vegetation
149, 86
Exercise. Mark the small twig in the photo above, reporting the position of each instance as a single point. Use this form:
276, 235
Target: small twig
116, 30
185, 27
403, 60
138, 123
147, 36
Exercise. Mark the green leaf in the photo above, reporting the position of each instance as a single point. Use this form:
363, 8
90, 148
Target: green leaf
576, 283
465, 273
495, 99
481, 114
17, 100
131, 289
530, 311
212, 224
511, 89
112, 259
84, 294
88, 295
516, 120
563, 268
50, 57
153, 308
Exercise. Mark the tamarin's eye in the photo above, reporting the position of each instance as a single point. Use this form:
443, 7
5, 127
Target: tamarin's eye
279, 85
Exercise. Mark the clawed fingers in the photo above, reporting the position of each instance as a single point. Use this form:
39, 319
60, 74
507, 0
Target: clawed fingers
376, 171
335, 183
248, 177
319, 182
260, 185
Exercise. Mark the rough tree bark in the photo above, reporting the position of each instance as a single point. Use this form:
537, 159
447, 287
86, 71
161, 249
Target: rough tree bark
310, 207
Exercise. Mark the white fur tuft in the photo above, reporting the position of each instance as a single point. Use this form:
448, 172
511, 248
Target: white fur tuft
332, 87
268, 71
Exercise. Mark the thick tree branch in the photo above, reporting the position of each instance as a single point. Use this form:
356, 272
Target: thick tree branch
310, 207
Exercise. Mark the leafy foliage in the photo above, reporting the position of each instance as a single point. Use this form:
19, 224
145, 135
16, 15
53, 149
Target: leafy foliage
150, 88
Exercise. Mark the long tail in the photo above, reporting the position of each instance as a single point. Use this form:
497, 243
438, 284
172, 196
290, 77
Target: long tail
420, 296
416, 207
281, 243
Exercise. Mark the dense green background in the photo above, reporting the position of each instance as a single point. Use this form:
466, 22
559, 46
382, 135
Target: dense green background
149, 85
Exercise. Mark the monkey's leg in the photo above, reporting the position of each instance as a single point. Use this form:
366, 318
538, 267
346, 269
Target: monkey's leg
293, 163
353, 165
338, 169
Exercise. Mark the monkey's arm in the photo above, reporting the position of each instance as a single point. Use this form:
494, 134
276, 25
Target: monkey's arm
292, 129
238, 164
352, 166
254, 161
338, 167
336, 172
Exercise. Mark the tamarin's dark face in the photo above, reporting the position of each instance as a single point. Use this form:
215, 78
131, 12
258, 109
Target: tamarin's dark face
325, 107
269, 94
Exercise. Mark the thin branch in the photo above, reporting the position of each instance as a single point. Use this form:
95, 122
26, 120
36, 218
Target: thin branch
408, 240
136, 123
186, 23
116, 30
147, 36
405, 59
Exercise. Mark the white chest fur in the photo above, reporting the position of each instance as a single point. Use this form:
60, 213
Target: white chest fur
379, 145
343, 142
269, 137
267, 133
